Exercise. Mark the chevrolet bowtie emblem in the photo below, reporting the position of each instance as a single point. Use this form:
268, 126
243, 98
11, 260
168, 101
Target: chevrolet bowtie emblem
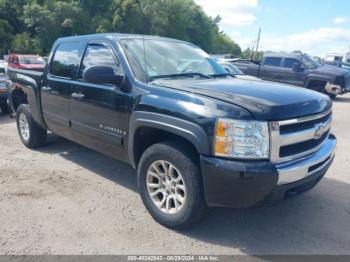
319, 130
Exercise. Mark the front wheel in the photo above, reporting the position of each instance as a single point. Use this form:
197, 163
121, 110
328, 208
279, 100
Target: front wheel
31, 134
171, 186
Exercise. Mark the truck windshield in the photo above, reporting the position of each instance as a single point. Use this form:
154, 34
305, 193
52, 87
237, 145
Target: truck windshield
309, 62
153, 58
32, 60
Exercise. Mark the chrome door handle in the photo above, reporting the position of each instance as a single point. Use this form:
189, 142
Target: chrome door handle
78, 96
46, 88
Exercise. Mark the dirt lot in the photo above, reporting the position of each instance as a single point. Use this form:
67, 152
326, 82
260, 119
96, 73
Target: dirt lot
66, 199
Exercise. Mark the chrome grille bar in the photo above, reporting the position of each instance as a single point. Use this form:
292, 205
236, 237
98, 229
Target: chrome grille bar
279, 140
308, 134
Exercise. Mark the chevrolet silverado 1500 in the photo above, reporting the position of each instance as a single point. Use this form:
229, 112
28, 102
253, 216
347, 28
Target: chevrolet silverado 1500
197, 135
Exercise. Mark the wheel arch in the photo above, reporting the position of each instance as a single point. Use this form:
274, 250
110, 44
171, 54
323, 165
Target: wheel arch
148, 128
316, 84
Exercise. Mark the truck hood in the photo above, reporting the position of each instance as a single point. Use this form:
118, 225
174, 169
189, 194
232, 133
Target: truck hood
329, 70
265, 100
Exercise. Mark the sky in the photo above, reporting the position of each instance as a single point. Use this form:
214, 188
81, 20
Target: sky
315, 27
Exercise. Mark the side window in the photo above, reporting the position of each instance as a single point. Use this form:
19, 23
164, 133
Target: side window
273, 61
97, 55
289, 62
66, 60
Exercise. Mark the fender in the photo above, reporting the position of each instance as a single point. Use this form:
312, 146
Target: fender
30, 86
309, 80
319, 77
188, 130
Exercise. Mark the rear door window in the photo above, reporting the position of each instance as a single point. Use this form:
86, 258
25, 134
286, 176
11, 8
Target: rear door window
66, 60
273, 61
289, 62
97, 55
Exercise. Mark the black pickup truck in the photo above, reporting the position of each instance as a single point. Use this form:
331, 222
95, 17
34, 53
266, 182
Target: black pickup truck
300, 70
198, 136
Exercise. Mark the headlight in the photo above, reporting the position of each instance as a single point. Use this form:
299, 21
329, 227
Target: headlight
241, 139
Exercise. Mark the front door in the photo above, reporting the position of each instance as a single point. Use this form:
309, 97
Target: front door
56, 88
99, 114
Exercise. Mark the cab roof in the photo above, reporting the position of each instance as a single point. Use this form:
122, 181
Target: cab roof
115, 36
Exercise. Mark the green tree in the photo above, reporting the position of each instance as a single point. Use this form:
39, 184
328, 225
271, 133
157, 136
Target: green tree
43, 21
225, 45
128, 17
251, 54
5, 36
24, 44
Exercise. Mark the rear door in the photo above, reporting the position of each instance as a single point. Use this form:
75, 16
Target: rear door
56, 88
290, 75
99, 115
271, 70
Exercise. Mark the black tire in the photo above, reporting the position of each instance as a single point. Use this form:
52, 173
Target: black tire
37, 135
5, 109
194, 207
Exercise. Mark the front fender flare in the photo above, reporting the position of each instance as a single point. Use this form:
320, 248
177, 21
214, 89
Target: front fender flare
188, 130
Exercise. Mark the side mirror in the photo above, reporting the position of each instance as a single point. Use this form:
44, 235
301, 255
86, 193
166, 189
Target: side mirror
298, 67
103, 75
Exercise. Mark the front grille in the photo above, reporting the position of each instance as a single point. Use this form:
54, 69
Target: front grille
285, 129
301, 147
294, 138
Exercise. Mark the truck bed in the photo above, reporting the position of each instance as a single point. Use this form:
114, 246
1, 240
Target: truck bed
248, 67
26, 86
25, 77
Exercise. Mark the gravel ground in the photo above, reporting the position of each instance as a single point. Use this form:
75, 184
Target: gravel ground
66, 199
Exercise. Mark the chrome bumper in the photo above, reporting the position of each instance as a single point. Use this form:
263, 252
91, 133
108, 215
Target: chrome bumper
301, 168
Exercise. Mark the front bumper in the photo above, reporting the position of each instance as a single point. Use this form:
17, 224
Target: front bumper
242, 184
337, 89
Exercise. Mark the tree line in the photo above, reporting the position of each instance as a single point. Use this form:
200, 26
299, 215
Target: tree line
31, 26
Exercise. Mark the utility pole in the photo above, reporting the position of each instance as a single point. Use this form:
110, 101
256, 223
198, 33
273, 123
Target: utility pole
257, 43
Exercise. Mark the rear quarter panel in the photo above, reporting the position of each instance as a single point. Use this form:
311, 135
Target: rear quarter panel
248, 68
29, 82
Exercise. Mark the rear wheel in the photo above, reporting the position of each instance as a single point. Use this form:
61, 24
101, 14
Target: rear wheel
171, 186
31, 134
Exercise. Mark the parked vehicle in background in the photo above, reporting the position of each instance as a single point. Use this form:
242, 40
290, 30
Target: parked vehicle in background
337, 58
234, 70
29, 62
197, 136
300, 70
345, 66
3, 91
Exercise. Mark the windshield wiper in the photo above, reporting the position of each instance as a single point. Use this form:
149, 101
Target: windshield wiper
189, 74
